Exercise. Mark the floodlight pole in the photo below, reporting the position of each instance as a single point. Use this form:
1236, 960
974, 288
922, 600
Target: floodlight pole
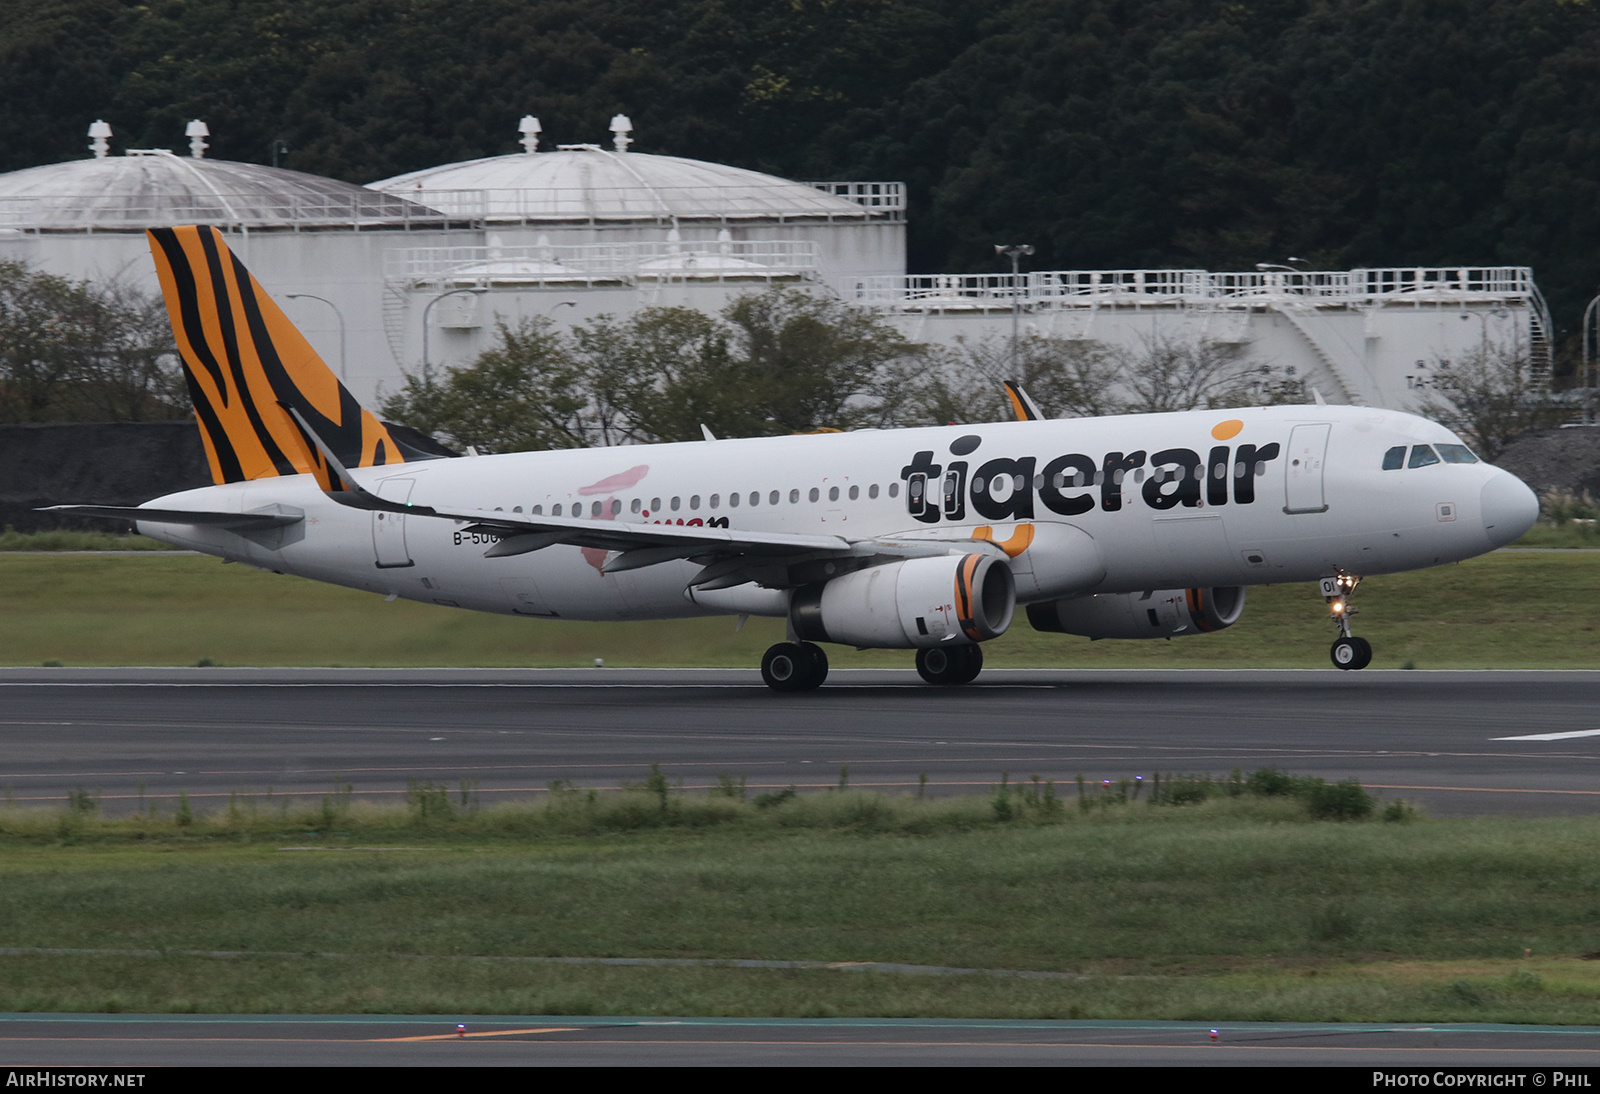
429, 308
343, 374
1015, 251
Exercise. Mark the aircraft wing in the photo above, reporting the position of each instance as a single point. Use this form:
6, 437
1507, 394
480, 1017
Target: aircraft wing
729, 557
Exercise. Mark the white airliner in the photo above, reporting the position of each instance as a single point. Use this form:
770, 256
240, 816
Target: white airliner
1140, 526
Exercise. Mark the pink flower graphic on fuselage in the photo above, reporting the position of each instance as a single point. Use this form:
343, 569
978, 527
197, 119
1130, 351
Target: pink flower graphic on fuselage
622, 480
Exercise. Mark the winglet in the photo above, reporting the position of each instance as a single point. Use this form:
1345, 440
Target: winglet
1022, 404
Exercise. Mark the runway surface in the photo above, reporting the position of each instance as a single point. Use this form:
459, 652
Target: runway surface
1433, 737
132, 1042
1457, 742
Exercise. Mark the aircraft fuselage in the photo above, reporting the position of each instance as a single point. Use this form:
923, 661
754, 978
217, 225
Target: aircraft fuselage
1202, 498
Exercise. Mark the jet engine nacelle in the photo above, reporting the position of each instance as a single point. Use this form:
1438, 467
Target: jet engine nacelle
950, 600
1162, 613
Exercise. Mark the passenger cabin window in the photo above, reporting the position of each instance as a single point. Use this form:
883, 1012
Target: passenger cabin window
733, 501
894, 490
855, 492
1421, 456
675, 503
694, 501
1395, 458
716, 500
635, 506
815, 493
794, 497
655, 505
1456, 453
755, 497
555, 510
872, 491
537, 510
833, 493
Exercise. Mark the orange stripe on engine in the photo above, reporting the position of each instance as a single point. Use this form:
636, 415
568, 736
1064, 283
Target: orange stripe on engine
1196, 599
964, 575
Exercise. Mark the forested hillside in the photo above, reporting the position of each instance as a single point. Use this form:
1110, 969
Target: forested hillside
1108, 133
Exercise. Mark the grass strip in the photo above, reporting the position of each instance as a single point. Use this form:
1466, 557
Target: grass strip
1504, 610
64, 540
1239, 906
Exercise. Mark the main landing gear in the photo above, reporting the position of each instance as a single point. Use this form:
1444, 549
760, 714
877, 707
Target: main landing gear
1348, 652
794, 666
950, 665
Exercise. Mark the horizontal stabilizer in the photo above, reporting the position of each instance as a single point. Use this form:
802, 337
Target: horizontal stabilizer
276, 516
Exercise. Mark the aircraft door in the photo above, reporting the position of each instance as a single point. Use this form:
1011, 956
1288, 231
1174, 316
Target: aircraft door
917, 494
389, 529
954, 497
1308, 451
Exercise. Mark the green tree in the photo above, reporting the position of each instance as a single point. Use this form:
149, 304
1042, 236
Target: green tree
1166, 373
75, 351
1490, 396
811, 362
1068, 378
526, 393
659, 375
777, 362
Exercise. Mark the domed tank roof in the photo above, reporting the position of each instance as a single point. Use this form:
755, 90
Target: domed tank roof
587, 182
150, 188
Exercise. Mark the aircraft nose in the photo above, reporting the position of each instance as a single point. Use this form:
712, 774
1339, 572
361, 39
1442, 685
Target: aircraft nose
1509, 508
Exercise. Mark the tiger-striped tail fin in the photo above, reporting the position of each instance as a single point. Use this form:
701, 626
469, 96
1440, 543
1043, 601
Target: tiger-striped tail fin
245, 363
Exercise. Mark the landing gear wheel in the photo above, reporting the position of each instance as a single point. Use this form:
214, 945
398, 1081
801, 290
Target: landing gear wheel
819, 664
949, 666
786, 667
1351, 653
794, 666
971, 662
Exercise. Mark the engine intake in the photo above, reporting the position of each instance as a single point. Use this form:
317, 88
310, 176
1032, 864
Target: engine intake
1159, 613
954, 599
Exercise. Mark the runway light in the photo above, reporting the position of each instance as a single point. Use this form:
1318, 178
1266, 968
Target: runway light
1213, 1036
599, 662
461, 1030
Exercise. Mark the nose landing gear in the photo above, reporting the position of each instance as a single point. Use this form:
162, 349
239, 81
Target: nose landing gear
1348, 652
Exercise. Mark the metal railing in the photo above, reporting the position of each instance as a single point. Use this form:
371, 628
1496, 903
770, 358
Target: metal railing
596, 263
663, 203
888, 196
375, 208
1096, 288
89, 212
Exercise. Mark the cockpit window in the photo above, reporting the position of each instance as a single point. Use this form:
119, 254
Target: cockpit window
1456, 453
1422, 455
1395, 458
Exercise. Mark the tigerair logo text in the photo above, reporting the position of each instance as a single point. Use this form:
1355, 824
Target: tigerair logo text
1014, 488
